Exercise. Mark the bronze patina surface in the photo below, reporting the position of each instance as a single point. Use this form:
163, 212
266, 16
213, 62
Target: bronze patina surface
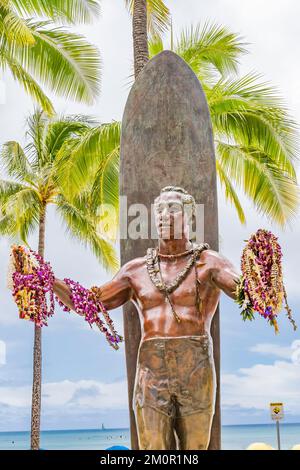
166, 139
174, 394
166, 361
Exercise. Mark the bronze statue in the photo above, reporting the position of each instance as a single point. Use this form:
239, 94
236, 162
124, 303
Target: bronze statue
176, 289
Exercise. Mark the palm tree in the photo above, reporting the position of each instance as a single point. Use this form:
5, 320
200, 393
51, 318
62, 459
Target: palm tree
148, 16
256, 140
37, 179
40, 52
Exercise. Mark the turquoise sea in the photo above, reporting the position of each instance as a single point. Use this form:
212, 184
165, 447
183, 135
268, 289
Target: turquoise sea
233, 437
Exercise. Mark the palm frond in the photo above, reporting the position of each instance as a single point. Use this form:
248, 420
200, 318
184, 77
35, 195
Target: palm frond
210, 44
62, 61
14, 162
76, 64
31, 87
155, 45
7, 225
87, 155
252, 115
70, 11
230, 192
62, 136
15, 29
105, 188
79, 225
104, 196
158, 15
27, 224
9, 230
49, 142
24, 207
7, 189
63, 128
37, 125
19, 202
273, 192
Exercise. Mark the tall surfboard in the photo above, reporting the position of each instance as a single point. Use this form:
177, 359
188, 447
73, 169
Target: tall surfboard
166, 139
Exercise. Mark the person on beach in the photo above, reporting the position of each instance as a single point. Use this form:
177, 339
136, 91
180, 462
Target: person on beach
176, 289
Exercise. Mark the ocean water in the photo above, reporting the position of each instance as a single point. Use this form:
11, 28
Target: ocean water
83, 439
233, 437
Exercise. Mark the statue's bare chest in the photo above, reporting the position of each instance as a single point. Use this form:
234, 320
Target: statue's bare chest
148, 295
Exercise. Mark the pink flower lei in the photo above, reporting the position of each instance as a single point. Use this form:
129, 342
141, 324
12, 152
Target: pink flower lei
87, 304
32, 278
31, 283
260, 287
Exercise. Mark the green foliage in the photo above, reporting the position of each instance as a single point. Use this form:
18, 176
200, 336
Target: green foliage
247, 312
65, 11
39, 178
158, 16
257, 142
39, 54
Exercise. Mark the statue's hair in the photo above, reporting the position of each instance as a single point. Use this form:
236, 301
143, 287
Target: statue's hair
185, 196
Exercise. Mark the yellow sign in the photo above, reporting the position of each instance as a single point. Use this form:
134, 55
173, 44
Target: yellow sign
276, 411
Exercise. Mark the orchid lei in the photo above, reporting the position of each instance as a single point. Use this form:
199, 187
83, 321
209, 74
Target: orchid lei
31, 282
260, 288
30, 278
87, 304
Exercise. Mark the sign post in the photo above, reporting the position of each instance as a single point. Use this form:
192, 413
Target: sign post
277, 414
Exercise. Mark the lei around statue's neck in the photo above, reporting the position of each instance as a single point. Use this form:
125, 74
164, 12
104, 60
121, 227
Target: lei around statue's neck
173, 247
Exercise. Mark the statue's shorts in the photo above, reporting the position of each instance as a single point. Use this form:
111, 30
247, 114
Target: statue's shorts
176, 375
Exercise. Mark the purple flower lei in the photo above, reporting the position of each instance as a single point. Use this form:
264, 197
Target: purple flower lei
30, 289
260, 287
85, 304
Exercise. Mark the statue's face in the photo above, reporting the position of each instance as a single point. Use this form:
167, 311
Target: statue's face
170, 218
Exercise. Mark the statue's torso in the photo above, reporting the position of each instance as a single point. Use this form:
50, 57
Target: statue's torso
155, 313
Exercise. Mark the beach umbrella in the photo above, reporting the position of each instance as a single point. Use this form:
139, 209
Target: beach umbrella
259, 446
296, 447
117, 448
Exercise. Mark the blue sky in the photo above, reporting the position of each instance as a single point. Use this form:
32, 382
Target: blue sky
84, 379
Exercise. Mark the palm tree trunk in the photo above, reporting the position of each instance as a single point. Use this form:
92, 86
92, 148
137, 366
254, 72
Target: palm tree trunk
140, 35
37, 357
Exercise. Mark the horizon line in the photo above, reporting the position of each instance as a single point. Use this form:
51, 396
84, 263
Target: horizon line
128, 428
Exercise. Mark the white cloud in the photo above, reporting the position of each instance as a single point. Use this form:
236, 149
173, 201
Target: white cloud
257, 386
271, 349
285, 352
2, 353
90, 393
18, 397
80, 394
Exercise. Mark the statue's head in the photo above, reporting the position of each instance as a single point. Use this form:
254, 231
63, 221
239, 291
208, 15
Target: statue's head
173, 209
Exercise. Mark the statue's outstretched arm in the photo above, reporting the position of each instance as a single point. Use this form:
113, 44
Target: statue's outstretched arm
224, 274
112, 294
